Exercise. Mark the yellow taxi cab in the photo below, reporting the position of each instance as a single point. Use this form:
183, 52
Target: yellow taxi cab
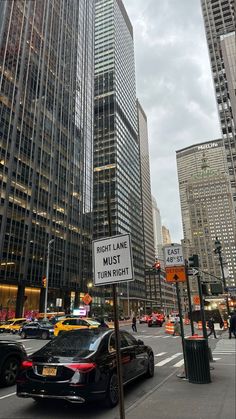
73, 324
12, 325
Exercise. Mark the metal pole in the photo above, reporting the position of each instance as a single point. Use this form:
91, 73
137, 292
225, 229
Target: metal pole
160, 290
47, 280
224, 282
189, 298
128, 298
117, 334
204, 329
181, 327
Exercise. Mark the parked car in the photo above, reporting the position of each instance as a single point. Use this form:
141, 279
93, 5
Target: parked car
73, 324
155, 320
80, 366
12, 325
11, 355
43, 330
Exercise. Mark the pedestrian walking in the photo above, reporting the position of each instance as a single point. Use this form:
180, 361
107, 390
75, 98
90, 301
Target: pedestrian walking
232, 325
103, 324
211, 326
134, 321
177, 326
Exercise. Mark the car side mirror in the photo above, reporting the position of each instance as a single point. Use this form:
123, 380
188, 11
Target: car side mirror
140, 342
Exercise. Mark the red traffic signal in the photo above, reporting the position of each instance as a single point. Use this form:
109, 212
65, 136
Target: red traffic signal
44, 281
157, 266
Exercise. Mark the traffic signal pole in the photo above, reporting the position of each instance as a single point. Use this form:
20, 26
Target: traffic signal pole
189, 298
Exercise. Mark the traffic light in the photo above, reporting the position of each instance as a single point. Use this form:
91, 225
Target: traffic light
193, 261
44, 281
157, 266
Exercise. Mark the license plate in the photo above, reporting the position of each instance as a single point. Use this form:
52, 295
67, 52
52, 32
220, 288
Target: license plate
52, 371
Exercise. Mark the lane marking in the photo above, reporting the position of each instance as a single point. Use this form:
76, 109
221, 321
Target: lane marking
165, 337
161, 353
179, 364
216, 359
7, 395
165, 361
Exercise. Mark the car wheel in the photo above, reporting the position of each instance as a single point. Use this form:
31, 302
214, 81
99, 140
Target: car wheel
23, 335
150, 367
149, 325
9, 371
44, 335
112, 396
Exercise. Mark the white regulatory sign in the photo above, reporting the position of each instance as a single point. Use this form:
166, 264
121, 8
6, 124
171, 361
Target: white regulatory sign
112, 260
173, 255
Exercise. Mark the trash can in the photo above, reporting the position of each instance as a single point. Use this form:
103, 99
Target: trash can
197, 357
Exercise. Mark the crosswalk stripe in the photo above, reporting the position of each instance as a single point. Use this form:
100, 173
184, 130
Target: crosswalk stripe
165, 361
179, 364
161, 353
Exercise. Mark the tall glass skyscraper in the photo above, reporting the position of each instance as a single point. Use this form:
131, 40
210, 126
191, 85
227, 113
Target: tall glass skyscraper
116, 145
46, 110
149, 251
219, 20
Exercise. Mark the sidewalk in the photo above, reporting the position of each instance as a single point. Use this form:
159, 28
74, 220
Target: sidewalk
178, 399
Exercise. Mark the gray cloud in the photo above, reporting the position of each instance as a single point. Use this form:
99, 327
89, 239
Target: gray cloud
174, 86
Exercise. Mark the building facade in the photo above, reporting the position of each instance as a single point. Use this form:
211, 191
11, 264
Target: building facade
207, 206
219, 20
149, 252
116, 143
166, 235
46, 108
157, 230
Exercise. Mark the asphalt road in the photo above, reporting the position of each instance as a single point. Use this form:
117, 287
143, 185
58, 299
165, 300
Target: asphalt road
168, 360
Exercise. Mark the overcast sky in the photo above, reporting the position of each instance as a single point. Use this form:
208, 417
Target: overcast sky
174, 86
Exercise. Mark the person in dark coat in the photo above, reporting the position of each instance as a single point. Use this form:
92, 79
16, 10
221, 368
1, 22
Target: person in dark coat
103, 324
232, 325
211, 326
134, 321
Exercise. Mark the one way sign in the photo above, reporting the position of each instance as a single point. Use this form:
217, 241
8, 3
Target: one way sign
192, 271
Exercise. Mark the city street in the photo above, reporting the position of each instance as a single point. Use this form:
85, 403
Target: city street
168, 361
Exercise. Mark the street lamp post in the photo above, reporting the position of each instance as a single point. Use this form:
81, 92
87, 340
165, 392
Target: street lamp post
47, 280
217, 250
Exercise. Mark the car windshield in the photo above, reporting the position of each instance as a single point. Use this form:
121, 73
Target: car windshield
71, 344
93, 323
9, 322
45, 324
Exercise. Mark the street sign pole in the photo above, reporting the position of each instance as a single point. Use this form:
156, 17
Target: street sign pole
181, 326
189, 298
116, 325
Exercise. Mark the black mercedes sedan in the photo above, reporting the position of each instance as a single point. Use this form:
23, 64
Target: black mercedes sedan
80, 366
11, 356
43, 330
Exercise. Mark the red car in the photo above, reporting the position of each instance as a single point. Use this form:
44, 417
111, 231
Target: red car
156, 320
